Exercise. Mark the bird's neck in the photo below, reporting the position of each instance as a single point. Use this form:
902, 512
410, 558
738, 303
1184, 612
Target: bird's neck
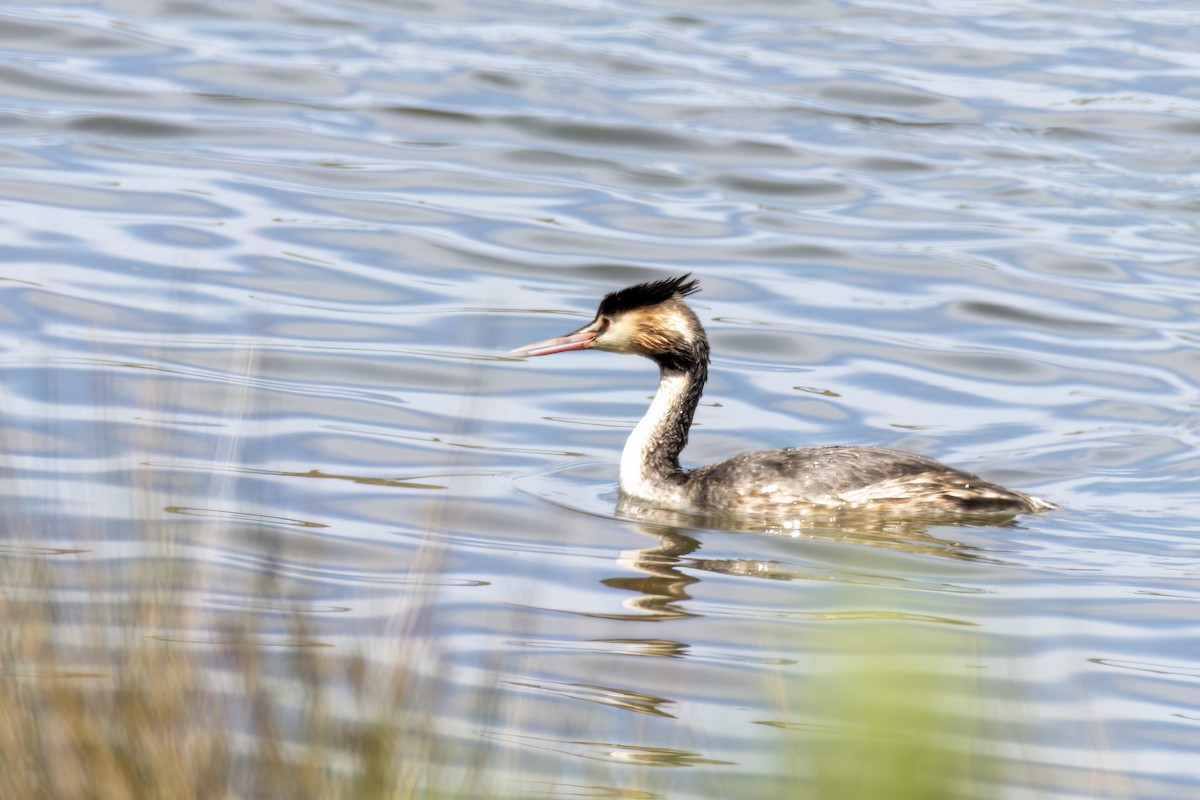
650, 462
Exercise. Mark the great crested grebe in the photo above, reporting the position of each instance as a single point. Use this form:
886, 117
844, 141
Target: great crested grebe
652, 320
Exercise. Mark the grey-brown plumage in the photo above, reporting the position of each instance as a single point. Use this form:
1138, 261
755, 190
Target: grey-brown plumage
652, 320
847, 478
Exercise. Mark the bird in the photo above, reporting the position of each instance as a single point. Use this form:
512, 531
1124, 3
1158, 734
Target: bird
653, 320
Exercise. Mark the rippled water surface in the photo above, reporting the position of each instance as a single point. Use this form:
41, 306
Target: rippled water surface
261, 263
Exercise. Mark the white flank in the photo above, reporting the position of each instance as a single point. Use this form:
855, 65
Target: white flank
1041, 505
893, 489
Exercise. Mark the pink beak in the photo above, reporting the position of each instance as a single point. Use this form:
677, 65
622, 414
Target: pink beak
578, 340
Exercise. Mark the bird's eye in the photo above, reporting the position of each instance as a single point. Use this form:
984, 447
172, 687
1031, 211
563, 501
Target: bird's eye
605, 322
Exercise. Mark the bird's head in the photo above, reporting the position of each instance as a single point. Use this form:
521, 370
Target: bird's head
647, 319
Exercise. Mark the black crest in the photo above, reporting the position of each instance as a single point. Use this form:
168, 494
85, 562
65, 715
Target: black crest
647, 294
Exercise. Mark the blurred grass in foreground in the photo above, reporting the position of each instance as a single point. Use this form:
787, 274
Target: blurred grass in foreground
122, 702
126, 687
895, 710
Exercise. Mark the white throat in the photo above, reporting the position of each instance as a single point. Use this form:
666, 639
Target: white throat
641, 472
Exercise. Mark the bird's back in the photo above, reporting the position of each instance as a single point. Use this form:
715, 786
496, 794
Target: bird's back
844, 478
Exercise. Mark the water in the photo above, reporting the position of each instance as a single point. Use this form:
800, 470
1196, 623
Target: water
261, 263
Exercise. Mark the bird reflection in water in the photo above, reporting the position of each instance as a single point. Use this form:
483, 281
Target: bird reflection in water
669, 566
